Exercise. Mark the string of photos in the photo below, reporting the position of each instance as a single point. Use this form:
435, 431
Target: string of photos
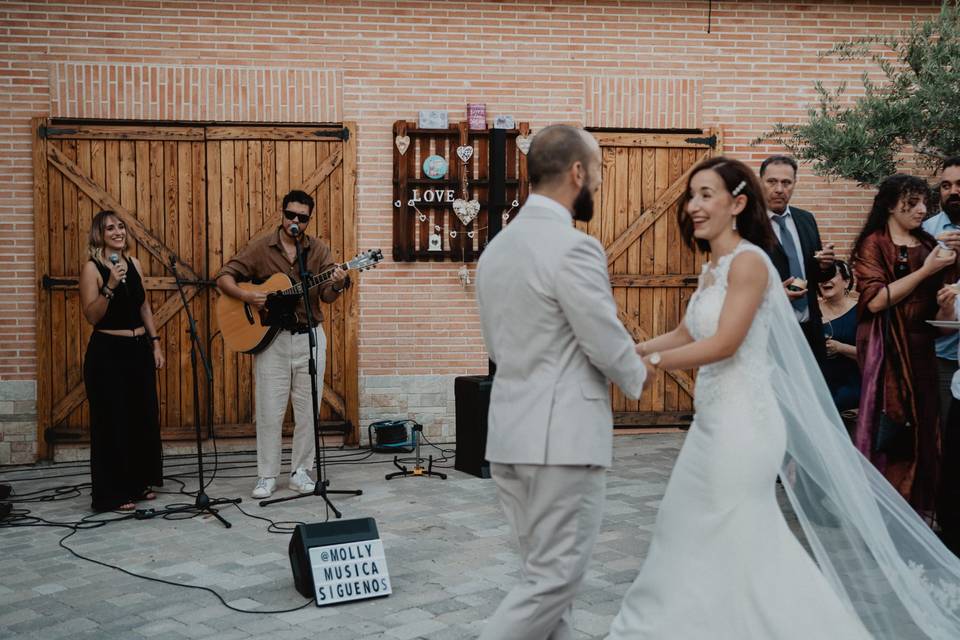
441, 187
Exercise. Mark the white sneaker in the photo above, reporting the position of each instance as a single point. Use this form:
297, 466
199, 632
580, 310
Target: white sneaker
300, 481
264, 488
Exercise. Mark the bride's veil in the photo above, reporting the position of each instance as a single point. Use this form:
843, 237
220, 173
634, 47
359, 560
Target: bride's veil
883, 561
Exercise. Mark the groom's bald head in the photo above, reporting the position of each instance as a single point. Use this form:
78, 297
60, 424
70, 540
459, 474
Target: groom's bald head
555, 149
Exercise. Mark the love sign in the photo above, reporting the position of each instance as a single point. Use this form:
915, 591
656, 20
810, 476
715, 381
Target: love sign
436, 196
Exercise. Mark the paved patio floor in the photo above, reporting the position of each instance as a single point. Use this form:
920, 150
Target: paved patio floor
449, 552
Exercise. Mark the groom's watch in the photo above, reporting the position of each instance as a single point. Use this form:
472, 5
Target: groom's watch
655, 358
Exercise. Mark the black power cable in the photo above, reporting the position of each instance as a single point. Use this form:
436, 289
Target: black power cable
11, 517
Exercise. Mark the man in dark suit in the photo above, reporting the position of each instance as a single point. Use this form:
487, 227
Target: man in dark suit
799, 256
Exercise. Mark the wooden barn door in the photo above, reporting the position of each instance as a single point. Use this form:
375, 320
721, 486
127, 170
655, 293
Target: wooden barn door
249, 171
153, 178
196, 193
652, 272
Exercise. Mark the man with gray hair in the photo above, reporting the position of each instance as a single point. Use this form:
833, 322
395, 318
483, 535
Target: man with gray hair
550, 324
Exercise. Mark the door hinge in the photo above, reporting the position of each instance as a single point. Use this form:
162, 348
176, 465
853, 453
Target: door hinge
342, 134
46, 131
49, 283
710, 141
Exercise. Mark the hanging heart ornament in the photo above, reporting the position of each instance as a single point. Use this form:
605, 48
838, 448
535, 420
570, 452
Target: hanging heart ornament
523, 143
465, 153
403, 143
466, 210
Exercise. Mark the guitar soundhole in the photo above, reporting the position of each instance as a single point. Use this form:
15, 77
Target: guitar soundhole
246, 312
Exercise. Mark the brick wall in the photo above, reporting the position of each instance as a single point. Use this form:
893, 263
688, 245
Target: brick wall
378, 61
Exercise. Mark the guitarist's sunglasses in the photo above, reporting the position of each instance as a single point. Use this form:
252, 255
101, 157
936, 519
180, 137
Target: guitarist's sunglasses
302, 218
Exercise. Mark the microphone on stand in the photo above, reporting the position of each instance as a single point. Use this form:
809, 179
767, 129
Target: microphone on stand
114, 258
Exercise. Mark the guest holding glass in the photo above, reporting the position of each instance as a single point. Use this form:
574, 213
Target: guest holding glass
119, 371
839, 315
945, 227
899, 274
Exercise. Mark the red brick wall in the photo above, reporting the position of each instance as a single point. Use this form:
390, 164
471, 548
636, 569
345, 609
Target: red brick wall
377, 61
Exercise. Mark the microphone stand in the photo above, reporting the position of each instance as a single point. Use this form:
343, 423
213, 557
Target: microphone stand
320, 487
203, 504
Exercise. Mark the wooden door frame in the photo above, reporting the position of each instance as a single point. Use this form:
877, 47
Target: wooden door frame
347, 405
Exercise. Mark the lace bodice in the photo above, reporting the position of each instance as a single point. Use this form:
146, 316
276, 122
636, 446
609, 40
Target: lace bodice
746, 369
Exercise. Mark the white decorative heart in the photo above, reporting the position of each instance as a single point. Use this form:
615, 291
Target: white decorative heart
523, 143
465, 210
403, 143
465, 153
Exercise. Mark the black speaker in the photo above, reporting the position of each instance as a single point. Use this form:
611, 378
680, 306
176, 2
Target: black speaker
472, 395
323, 534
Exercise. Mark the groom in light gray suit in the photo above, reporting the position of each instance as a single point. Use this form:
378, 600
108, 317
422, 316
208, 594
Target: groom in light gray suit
550, 324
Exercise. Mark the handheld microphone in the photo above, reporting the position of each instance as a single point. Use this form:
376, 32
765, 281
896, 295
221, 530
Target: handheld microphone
114, 258
294, 229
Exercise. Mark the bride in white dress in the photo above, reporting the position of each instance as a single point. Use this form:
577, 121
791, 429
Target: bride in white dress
723, 562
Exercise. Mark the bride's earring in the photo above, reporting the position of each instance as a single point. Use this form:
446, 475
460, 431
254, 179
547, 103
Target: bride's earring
734, 223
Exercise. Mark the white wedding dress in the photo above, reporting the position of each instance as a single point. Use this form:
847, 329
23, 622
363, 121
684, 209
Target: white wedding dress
722, 562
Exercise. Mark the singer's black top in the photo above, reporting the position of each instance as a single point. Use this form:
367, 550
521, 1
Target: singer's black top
123, 311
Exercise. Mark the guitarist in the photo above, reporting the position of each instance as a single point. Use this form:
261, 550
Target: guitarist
281, 369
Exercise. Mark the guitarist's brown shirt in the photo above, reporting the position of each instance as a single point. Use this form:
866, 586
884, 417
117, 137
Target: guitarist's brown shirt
265, 256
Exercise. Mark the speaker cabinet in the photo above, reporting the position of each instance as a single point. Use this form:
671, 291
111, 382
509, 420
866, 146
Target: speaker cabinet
351, 549
472, 395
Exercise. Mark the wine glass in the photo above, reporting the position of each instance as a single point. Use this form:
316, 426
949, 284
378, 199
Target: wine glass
828, 335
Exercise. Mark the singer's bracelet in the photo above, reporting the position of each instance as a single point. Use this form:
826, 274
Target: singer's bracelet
107, 292
155, 338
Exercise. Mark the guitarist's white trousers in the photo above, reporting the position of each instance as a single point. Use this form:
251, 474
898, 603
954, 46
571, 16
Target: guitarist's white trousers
282, 372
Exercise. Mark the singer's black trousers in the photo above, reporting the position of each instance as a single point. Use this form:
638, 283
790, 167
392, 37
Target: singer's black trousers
125, 454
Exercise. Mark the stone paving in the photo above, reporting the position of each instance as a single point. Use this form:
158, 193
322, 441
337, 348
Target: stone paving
448, 549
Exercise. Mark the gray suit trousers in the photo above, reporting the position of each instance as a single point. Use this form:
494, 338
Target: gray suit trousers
554, 512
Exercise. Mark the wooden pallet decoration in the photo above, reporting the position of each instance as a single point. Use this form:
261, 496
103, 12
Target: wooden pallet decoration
426, 224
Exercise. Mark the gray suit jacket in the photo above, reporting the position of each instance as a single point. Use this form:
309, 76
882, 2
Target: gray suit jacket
550, 324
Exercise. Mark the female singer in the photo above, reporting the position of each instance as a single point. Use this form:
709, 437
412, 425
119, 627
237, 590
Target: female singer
119, 371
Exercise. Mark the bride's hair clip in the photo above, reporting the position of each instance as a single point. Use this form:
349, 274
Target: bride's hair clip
736, 190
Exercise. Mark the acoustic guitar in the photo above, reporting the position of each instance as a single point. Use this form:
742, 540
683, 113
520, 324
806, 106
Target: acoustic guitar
248, 329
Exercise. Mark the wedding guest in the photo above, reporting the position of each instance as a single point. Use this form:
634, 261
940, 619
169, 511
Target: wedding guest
839, 314
898, 271
945, 227
948, 509
798, 255
119, 371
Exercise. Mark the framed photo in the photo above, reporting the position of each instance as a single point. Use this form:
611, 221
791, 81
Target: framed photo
503, 122
477, 115
433, 119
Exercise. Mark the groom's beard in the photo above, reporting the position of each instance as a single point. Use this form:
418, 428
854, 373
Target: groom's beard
583, 205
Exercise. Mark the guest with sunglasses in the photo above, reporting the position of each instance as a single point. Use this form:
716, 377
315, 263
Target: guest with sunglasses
839, 316
900, 275
281, 370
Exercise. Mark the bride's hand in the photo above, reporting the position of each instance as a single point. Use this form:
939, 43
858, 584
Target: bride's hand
641, 349
651, 373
